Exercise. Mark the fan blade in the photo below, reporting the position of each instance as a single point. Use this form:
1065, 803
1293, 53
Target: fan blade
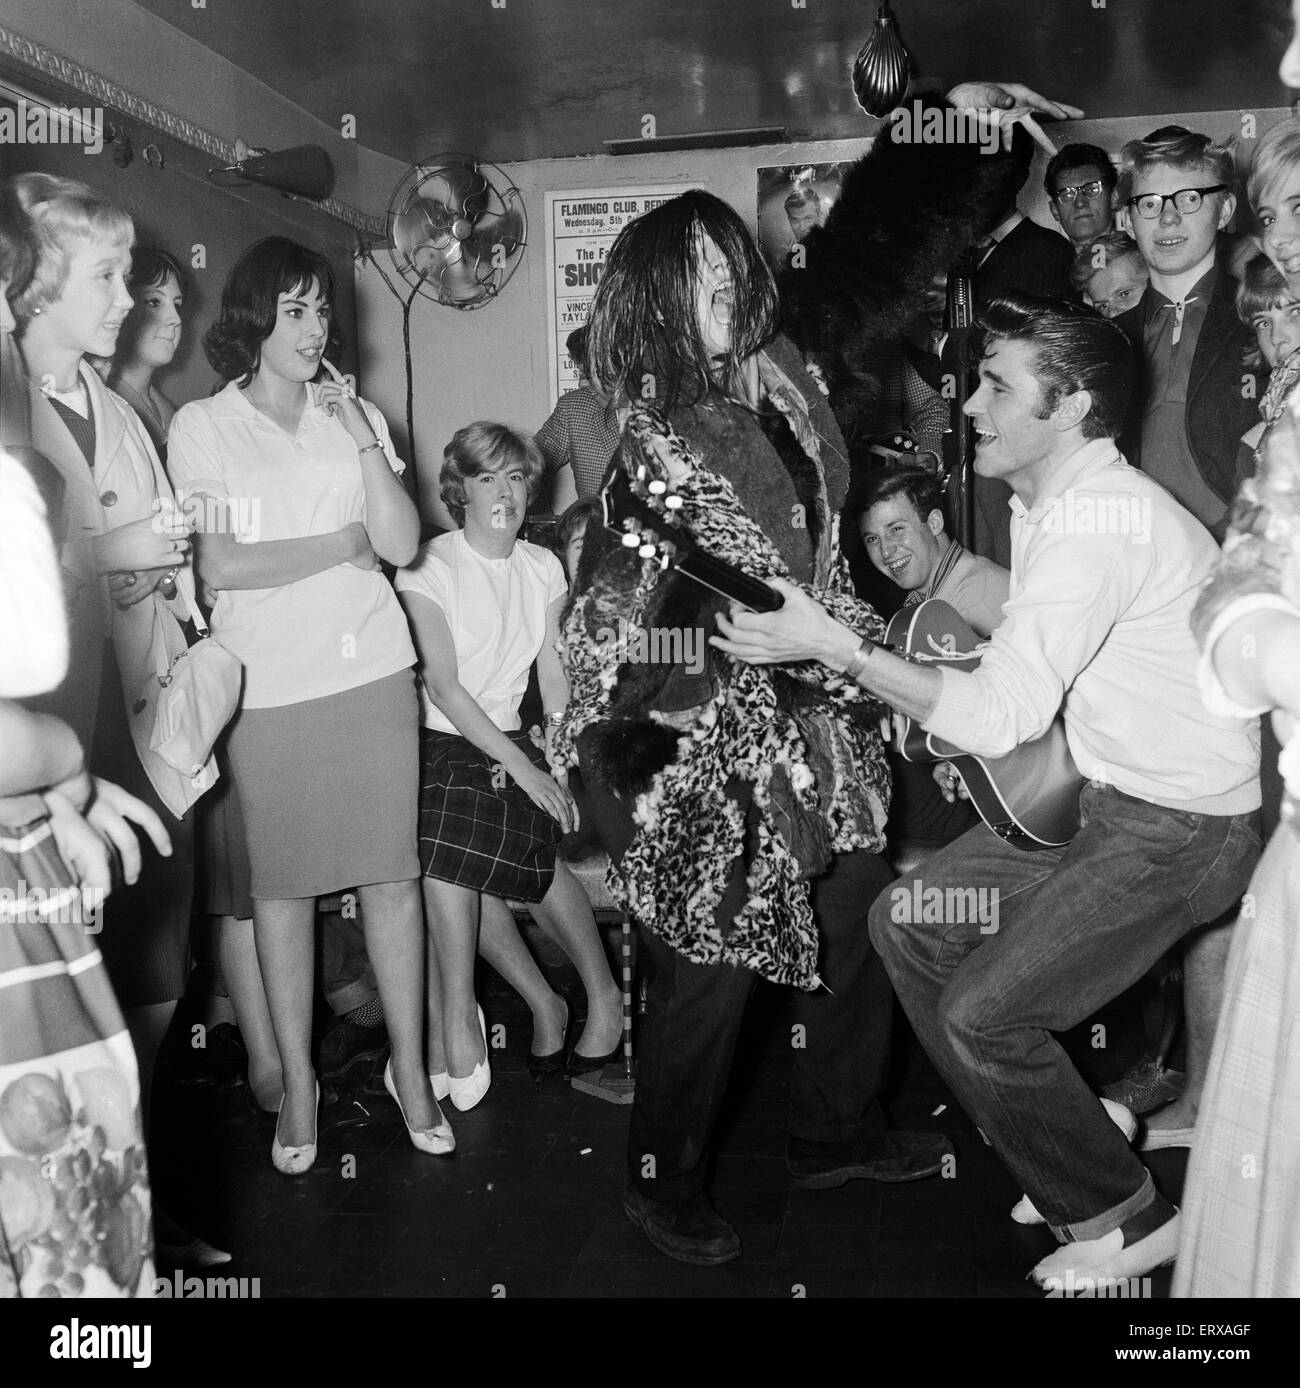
505, 229
463, 191
423, 223
458, 282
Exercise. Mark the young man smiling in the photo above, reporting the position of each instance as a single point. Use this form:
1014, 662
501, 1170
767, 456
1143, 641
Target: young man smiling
1098, 624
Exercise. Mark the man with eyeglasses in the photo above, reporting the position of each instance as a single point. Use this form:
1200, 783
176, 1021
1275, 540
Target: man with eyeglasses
1175, 195
1079, 182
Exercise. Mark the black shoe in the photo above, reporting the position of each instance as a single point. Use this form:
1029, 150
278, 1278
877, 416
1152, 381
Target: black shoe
585, 1064
889, 1157
222, 1060
346, 1045
542, 1067
692, 1232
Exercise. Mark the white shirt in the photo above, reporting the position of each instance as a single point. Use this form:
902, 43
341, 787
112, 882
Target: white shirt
1105, 571
33, 627
322, 635
496, 609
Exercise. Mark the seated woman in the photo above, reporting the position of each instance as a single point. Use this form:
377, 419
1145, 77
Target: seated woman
484, 606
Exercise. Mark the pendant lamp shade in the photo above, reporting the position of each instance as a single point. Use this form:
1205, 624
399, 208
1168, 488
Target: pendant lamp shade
881, 70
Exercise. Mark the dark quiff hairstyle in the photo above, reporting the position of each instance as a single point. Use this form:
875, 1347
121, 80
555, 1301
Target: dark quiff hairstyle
918, 485
1075, 349
1079, 157
249, 304
643, 332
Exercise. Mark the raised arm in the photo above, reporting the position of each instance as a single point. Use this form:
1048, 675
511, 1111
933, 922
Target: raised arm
392, 521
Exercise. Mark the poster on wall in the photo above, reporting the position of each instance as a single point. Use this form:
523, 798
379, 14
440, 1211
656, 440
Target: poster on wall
792, 200
580, 229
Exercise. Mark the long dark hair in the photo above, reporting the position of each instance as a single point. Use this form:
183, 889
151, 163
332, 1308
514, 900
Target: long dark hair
249, 302
643, 333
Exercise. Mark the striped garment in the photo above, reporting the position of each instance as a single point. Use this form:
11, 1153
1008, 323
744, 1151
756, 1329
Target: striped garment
75, 1207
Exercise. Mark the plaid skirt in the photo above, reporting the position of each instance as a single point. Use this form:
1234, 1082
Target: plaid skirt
477, 828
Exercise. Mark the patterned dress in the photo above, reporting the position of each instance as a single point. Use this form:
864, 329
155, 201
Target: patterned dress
74, 1183
1241, 1209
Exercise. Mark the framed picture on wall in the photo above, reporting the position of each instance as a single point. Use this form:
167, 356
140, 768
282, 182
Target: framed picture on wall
580, 228
792, 200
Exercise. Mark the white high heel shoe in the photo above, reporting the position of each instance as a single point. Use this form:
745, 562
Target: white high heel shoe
438, 1141
1024, 1211
465, 1093
293, 1161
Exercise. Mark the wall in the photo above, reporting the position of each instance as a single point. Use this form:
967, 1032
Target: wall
492, 363
176, 207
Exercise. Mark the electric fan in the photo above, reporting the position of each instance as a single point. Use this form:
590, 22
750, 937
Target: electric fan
458, 230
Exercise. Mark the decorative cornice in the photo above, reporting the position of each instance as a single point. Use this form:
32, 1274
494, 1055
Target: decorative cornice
37, 58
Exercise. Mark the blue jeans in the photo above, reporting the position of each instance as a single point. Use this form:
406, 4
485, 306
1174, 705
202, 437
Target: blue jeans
987, 979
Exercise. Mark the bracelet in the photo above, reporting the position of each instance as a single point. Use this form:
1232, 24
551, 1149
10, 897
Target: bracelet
369, 446
858, 660
553, 720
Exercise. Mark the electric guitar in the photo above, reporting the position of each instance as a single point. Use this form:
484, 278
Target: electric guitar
1030, 797
646, 524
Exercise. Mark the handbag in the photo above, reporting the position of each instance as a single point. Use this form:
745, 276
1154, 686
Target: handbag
184, 705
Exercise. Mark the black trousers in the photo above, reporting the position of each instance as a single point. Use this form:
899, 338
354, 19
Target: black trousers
839, 1038
839, 1041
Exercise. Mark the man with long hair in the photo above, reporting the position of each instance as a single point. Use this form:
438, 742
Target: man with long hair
744, 809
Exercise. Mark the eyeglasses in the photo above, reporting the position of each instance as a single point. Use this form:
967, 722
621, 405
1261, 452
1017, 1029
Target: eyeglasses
1185, 200
1077, 190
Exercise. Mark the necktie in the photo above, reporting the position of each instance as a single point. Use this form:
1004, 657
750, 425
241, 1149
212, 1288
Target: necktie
1180, 308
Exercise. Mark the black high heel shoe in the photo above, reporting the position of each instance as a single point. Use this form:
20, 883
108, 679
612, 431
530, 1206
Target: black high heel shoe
542, 1067
586, 1064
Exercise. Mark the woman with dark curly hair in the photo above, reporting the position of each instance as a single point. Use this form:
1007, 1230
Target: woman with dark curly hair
294, 487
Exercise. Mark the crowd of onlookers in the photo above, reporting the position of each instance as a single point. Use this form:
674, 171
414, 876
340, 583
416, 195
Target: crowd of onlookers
396, 818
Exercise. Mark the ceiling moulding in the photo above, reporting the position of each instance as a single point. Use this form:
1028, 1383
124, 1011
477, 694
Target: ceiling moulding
77, 78
704, 139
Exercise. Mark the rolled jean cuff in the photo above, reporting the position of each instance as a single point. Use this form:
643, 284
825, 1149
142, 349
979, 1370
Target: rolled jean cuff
1100, 1225
348, 996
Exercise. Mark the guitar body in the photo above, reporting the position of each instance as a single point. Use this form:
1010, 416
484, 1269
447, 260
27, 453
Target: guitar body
1030, 797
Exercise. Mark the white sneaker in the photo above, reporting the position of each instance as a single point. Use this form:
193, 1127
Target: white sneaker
1108, 1258
1025, 1212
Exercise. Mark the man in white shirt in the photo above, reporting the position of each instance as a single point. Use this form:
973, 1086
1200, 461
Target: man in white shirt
903, 533
1105, 570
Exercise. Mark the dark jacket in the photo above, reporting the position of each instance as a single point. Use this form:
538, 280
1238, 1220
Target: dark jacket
1222, 393
1029, 260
